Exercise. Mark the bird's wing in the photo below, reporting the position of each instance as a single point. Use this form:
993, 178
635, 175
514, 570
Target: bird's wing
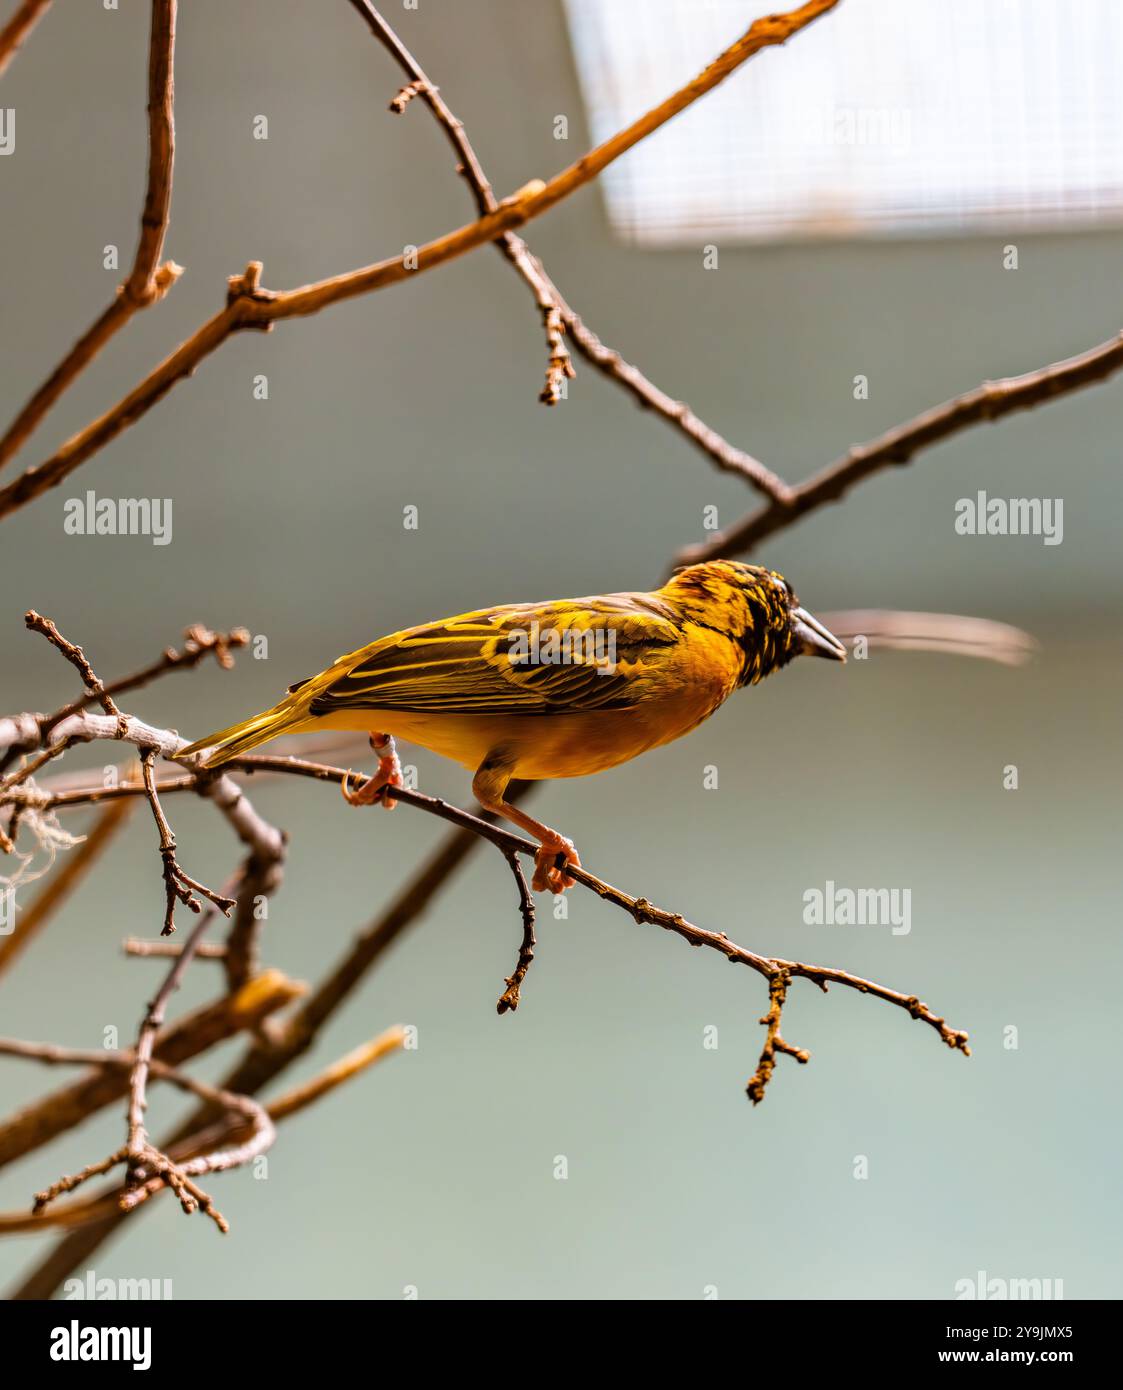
550, 658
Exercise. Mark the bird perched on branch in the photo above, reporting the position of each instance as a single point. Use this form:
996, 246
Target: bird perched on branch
555, 689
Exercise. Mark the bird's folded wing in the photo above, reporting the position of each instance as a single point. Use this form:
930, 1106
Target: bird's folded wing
548, 658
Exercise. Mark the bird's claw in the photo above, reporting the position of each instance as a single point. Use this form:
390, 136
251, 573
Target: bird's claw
549, 876
356, 790
367, 790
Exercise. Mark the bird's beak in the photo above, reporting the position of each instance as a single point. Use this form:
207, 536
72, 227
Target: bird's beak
813, 638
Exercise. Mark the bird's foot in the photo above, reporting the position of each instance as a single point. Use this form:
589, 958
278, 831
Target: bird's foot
548, 876
389, 774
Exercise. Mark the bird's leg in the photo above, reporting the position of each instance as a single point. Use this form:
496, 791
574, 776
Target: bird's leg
488, 786
547, 875
389, 774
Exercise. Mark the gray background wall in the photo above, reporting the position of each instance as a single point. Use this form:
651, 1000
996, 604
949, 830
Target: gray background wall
436, 1169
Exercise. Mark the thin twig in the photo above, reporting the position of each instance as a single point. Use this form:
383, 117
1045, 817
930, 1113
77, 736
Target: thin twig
77, 658
85, 727
72, 1180
198, 642
148, 281
726, 457
990, 401
773, 1042
355, 1062
27, 731
150, 1168
509, 999
264, 867
75, 788
26, 17
178, 885
234, 1129
405, 95
137, 1141
141, 287
557, 316
45, 1119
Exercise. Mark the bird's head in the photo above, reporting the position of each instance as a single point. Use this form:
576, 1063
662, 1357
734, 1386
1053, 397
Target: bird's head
756, 608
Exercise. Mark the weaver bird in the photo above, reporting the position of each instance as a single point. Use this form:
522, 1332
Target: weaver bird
556, 689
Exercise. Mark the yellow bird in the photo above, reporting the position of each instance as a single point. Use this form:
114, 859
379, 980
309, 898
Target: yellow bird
555, 689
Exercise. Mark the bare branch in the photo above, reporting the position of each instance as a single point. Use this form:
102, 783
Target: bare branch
557, 317
768, 966
148, 281
136, 1144
727, 457
77, 658
990, 401
150, 1169
352, 1065
198, 642
44, 1119
509, 999
773, 1042
84, 727
25, 732
27, 15
112, 1205
141, 286
178, 885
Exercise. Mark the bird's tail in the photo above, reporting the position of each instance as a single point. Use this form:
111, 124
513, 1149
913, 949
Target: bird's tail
240, 738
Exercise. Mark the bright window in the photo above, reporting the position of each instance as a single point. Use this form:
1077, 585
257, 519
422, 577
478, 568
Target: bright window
885, 116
